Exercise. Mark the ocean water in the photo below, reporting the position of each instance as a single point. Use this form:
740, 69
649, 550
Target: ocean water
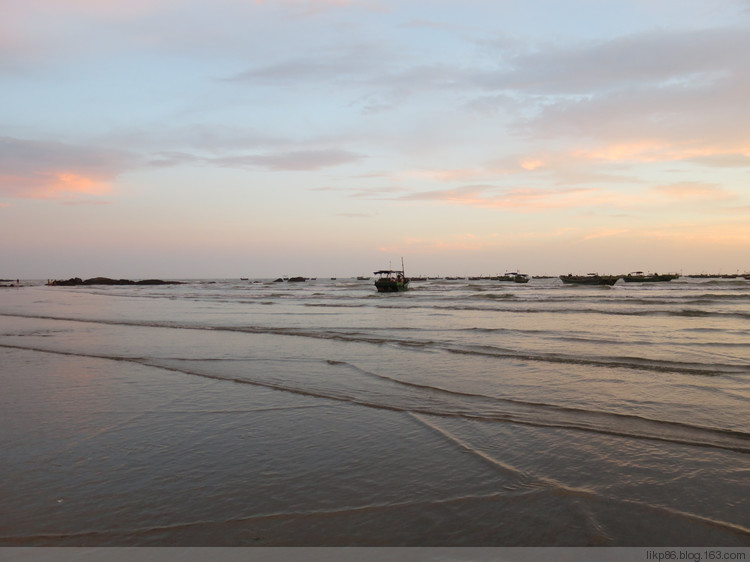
459, 413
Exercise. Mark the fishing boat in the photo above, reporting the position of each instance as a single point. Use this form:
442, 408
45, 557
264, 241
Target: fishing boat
590, 279
640, 277
391, 281
513, 277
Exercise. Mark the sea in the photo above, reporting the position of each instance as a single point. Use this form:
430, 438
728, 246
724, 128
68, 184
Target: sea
229, 412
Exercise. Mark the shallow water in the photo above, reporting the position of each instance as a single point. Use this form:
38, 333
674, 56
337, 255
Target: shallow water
323, 413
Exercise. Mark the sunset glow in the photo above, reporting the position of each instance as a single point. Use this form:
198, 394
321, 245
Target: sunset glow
255, 138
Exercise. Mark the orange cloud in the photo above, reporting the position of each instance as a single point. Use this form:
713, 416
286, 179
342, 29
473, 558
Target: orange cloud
693, 190
73, 183
702, 235
531, 164
47, 185
658, 151
605, 233
44, 169
642, 150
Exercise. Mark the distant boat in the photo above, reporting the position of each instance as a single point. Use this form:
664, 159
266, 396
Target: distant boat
296, 279
243, 278
514, 277
362, 278
391, 281
590, 279
640, 277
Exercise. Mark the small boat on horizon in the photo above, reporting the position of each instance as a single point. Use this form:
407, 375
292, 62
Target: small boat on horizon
640, 277
514, 277
590, 279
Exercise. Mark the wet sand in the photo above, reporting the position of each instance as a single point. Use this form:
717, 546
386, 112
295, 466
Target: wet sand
99, 452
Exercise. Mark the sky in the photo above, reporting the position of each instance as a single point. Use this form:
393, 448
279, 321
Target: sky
250, 138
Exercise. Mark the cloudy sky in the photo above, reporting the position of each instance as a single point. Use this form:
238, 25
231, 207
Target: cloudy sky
227, 138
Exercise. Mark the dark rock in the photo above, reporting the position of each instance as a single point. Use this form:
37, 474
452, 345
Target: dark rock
75, 281
107, 281
158, 282
72, 282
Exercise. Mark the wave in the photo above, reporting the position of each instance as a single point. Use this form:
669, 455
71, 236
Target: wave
434, 401
416, 398
389, 337
684, 301
628, 362
574, 310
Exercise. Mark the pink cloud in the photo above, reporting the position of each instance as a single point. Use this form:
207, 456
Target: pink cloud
447, 175
87, 202
312, 7
524, 199
109, 9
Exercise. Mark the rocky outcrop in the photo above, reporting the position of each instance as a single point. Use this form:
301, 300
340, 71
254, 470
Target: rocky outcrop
76, 281
73, 281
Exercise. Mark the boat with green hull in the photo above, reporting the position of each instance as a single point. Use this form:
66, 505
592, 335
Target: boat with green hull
391, 281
